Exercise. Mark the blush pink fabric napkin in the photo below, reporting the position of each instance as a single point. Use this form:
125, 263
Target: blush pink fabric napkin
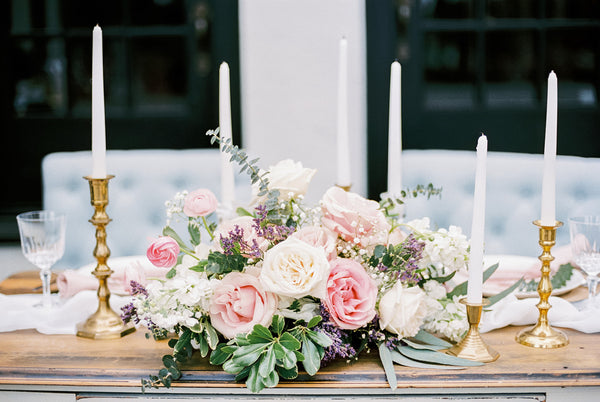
71, 282
503, 278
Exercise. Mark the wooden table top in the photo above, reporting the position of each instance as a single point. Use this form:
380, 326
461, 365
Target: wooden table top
28, 358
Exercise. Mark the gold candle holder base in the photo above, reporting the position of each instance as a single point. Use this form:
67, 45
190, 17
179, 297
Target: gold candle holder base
472, 346
104, 323
345, 188
542, 335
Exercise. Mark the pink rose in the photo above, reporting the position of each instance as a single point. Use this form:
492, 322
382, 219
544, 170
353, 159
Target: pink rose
356, 219
200, 202
239, 302
319, 237
163, 252
351, 294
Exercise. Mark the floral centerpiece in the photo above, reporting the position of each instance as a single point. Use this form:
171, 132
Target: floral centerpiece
285, 286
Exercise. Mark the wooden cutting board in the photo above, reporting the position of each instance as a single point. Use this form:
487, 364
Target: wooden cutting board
26, 282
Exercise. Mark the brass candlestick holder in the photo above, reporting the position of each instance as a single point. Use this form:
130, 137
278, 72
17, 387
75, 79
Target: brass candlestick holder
345, 188
542, 335
472, 347
104, 323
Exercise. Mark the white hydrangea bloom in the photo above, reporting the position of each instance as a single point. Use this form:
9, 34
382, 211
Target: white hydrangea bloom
447, 250
449, 321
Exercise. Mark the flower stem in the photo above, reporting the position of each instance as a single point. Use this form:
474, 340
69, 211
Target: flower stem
210, 233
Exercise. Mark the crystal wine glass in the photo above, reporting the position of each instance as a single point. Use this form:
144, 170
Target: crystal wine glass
585, 245
43, 243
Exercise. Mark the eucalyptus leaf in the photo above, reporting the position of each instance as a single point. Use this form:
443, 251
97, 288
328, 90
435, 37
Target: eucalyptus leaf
461, 289
388, 365
430, 356
496, 298
427, 338
168, 231
417, 345
405, 361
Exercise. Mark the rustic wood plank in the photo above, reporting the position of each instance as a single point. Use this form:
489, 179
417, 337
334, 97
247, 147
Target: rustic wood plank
26, 282
30, 358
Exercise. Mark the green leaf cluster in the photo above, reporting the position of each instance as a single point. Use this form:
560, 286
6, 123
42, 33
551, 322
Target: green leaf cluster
558, 280
421, 351
265, 355
203, 334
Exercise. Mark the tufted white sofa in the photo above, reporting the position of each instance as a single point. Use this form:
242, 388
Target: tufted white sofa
513, 194
145, 179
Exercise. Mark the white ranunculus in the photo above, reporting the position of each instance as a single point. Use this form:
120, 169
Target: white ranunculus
402, 310
289, 177
296, 269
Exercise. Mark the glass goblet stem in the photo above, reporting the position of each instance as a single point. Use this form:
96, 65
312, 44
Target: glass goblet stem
592, 283
45, 275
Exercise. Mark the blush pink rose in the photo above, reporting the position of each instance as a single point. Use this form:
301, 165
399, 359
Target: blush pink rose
200, 202
351, 294
354, 218
239, 302
320, 237
163, 252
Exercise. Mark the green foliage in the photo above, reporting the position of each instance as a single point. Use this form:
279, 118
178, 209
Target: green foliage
461, 289
389, 204
202, 334
394, 257
264, 355
220, 264
558, 280
168, 231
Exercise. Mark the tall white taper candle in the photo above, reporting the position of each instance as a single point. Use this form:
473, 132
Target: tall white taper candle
549, 178
227, 179
343, 146
394, 178
474, 287
98, 127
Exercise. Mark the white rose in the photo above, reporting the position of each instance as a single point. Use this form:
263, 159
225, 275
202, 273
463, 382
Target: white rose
289, 177
296, 269
402, 310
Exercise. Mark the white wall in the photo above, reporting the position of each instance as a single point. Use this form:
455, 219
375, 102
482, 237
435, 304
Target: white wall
289, 68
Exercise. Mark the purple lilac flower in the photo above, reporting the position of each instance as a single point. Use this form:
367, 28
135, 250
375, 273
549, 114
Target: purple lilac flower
129, 312
269, 231
235, 242
341, 347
